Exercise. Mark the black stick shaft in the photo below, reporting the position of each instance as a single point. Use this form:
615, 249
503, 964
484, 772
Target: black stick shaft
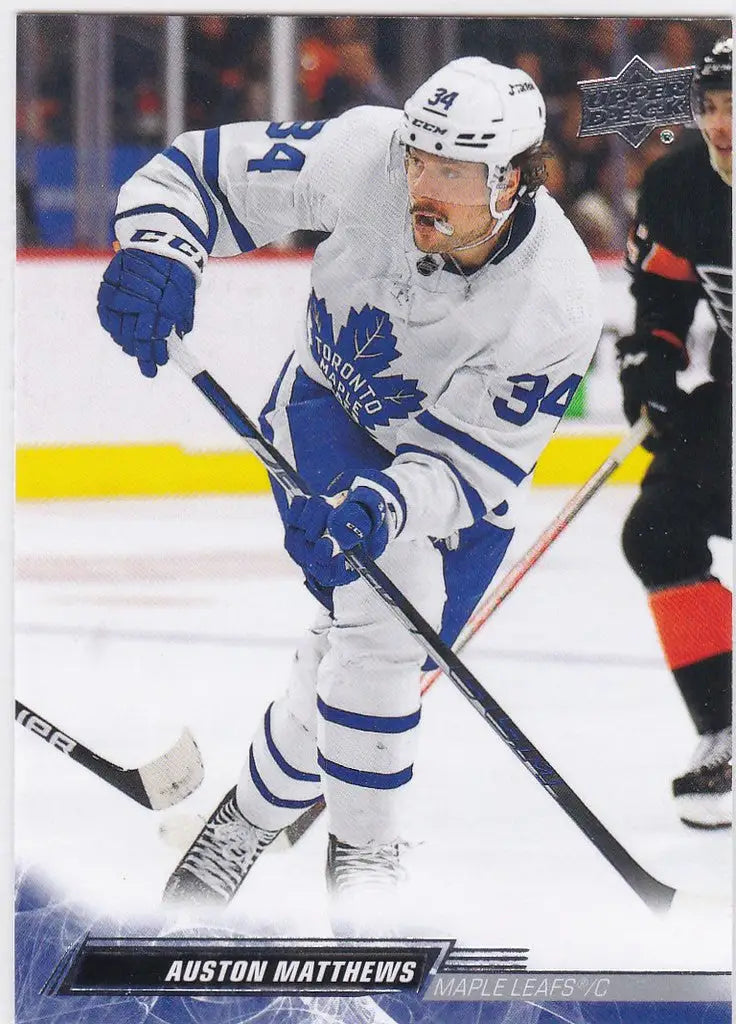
654, 893
495, 598
128, 781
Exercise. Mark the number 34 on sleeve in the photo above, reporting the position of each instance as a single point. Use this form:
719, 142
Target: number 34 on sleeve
529, 395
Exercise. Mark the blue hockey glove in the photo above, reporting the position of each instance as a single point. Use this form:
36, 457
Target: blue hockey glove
142, 298
307, 543
360, 522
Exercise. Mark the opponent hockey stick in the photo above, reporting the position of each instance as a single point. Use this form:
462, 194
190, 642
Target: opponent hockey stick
494, 598
654, 893
161, 783
631, 440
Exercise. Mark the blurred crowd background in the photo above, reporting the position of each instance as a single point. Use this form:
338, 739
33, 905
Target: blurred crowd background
338, 62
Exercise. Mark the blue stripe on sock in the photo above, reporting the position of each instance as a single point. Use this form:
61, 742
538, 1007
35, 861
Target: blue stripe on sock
278, 757
266, 793
185, 164
211, 166
475, 502
368, 723
367, 780
488, 456
188, 223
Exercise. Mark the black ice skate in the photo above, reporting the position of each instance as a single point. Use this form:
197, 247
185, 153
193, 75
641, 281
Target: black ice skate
215, 865
703, 793
364, 884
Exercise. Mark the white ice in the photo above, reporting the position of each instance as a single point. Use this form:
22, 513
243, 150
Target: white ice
135, 618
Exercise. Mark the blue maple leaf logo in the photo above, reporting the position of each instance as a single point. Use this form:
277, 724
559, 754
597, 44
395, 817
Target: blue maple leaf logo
320, 321
365, 346
370, 335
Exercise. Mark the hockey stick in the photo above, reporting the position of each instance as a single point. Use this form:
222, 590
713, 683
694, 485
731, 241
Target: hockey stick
494, 598
161, 783
631, 440
654, 893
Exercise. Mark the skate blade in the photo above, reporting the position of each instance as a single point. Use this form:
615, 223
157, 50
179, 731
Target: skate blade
705, 812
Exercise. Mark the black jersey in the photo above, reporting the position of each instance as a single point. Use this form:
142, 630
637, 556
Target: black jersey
679, 251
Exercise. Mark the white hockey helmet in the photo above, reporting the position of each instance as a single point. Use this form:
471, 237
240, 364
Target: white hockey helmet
476, 111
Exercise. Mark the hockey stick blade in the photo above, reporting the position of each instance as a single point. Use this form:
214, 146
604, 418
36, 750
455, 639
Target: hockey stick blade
175, 775
654, 893
161, 783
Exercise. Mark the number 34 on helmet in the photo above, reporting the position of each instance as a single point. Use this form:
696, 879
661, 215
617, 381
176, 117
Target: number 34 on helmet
476, 111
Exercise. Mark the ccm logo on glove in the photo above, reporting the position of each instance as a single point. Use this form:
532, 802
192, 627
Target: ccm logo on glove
152, 235
315, 525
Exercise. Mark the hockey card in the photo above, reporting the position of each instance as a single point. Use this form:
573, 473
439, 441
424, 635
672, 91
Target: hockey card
372, 522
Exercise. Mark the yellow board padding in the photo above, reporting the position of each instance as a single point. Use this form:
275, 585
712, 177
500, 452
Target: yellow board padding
47, 472
571, 459
133, 471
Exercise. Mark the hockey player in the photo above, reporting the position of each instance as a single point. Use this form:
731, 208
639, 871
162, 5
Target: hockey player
452, 315
679, 252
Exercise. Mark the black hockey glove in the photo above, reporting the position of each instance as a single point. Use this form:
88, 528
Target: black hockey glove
647, 368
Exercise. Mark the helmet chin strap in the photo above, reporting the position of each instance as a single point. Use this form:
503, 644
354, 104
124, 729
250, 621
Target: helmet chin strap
499, 216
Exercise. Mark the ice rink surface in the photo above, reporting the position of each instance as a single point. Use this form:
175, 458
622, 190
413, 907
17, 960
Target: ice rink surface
135, 618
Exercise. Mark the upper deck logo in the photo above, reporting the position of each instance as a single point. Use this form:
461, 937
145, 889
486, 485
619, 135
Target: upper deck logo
635, 102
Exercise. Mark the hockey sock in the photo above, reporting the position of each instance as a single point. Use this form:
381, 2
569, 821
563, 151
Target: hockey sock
279, 780
694, 625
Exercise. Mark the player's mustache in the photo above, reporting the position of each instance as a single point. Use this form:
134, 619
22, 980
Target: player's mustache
425, 210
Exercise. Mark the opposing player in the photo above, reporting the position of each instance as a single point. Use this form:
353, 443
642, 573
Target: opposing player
453, 313
680, 252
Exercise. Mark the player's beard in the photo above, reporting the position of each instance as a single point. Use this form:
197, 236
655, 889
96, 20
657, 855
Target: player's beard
428, 238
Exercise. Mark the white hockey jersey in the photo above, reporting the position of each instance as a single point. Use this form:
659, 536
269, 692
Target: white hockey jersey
463, 378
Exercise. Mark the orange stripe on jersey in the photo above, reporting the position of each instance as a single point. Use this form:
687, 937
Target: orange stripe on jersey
664, 263
669, 336
672, 338
693, 621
